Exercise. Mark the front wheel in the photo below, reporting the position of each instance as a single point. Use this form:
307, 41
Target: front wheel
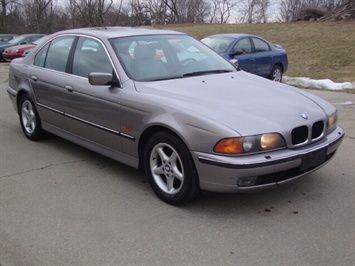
276, 74
29, 119
170, 169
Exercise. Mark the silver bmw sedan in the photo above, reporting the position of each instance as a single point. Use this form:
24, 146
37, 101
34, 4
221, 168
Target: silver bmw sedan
163, 102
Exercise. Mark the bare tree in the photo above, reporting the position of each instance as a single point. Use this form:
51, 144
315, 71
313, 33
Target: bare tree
203, 12
222, 10
262, 12
118, 12
157, 11
92, 12
139, 12
6, 5
197, 11
251, 10
38, 15
254, 11
71, 11
174, 10
289, 9
168, 11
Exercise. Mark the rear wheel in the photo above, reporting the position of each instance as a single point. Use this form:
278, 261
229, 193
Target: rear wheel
276, 74
29, 119
170, 169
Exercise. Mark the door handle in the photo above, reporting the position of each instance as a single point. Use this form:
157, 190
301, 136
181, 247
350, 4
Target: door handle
69, 88
34, 78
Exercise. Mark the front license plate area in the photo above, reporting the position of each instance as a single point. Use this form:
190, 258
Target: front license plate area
313, 159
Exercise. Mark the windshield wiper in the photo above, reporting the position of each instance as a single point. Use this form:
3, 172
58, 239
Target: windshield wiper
206, 72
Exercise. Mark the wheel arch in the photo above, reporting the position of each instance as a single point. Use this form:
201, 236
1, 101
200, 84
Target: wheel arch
23, 88
21, 93
280, 64
277, 65
146, 135
189, 186
30, 122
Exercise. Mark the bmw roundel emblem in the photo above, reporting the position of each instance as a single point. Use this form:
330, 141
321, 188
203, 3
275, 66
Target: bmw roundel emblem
303, 115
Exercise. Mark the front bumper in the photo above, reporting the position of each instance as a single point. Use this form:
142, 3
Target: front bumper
221, 173
10, 57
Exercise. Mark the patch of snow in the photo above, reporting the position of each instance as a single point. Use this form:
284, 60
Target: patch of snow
344, 103
326, 84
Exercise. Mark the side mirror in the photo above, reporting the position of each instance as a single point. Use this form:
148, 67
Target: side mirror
235, 63
237, 52
100, 79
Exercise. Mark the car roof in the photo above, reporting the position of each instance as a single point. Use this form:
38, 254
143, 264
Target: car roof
31, 34
233, 35
114, 32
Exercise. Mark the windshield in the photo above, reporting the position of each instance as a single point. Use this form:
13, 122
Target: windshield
16, 40
219, 44
159, 57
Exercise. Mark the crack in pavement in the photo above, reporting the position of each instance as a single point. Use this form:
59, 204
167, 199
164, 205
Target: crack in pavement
42, 168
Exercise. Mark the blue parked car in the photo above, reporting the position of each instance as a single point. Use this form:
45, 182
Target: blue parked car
254, 54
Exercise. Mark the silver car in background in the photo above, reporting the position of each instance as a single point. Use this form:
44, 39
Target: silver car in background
163, 102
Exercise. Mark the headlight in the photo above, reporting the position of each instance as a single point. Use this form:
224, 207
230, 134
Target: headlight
332, 122
250, 144
14, 51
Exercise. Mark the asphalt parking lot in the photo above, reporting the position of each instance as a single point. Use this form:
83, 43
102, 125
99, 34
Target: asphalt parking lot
61, 204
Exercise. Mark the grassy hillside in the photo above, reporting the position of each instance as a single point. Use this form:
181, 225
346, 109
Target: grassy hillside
317, 50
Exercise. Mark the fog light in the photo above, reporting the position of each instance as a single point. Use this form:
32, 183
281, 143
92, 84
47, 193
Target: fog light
246, 181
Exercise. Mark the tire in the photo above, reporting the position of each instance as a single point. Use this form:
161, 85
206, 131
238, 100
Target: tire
170, 169
276, 74
29, 119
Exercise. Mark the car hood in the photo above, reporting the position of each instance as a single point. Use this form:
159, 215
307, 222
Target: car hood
244, 102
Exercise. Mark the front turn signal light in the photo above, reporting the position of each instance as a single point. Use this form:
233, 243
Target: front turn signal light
332, 122
229, 146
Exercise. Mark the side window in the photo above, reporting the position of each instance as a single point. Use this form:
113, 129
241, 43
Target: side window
244, 45
33, 38
58, 52
90, 56
260, 45
41, 56
24, 41
29, 39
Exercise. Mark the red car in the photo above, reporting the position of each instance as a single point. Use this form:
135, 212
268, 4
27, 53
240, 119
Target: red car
18, 50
